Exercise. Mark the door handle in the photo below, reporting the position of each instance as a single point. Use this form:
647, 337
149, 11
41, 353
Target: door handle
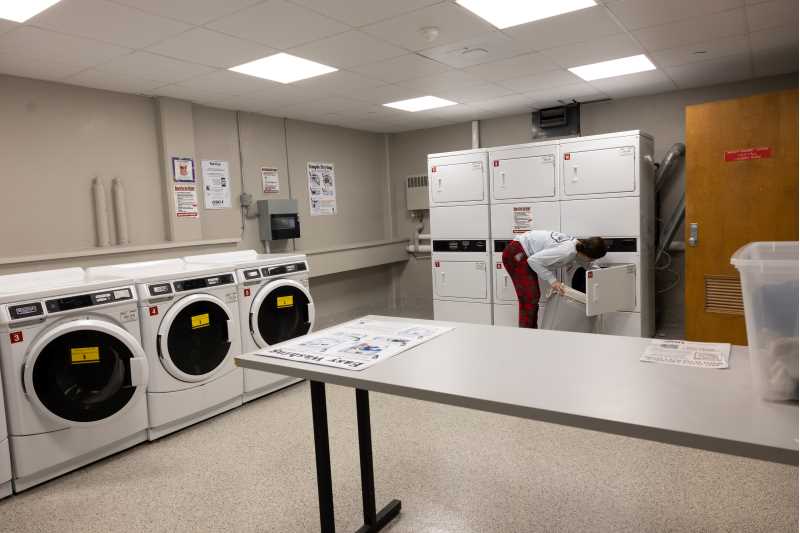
574, 174
440, 184
443, 278
693, 234
503, 179
505, 281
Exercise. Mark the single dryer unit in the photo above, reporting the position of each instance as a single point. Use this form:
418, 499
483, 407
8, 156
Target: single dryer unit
190, 331
275, 305
74, 371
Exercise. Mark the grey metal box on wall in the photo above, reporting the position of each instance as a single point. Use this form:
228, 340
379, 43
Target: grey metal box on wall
278, 219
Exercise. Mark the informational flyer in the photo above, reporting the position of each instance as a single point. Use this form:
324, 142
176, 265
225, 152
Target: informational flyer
183, 169
216, 184
356, 345
523, 219
185, 201
269, 179
322, 188
685, 353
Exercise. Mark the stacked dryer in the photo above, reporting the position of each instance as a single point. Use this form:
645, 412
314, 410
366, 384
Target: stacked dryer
459, 217
275, 305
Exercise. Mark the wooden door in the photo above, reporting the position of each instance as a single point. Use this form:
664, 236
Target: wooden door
741, 186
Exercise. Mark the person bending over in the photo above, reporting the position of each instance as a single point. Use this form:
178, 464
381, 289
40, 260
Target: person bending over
538, 254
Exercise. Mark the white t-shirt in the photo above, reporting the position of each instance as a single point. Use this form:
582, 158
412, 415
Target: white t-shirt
548, 251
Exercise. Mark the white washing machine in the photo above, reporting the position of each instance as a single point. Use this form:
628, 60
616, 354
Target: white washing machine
190, 331
275, 305
5, 452
74, 371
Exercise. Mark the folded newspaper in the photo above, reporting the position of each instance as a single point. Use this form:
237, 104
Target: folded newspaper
356, 345
685, 353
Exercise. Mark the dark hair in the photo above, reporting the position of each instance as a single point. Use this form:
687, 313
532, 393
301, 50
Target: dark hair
593, 247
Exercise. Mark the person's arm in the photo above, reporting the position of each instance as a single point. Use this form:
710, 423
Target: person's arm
541, 262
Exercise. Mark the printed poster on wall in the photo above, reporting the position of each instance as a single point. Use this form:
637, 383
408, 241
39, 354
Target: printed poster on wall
216, 184
183, 169
322, 189
269, 179
523, 220
185, 201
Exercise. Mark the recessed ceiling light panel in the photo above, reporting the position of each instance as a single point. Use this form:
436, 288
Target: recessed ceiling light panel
283, 68
507, 13
420, 104
614, 67
22, 10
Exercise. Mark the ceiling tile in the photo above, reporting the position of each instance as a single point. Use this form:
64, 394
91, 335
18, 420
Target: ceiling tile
104, 21
698, 29
774, 62
454, 24
51, 55
442, 82
771, 14
543, 80
491, 46
508, 104
190, 92
641, 83
341, 81
383, 94
635, 14
463, 113
118, 82
231, 83
211, 48
602, 49
727, 69
361, 12
278, 24
513, 68
153, 67
783, 37
575, 27
7, 26
712, 50
347, 50
406, 67
474, 93
581, 92
191, 11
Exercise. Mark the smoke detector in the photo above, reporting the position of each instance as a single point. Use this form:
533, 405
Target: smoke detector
474, 52
429, 33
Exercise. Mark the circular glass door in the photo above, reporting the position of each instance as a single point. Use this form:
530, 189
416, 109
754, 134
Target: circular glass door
281, 311
83, 375
197, 337
579, 279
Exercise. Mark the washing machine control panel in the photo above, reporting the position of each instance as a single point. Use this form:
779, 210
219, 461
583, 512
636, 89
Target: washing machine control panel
17, 312
202, 283
159, 289
282, 270
79, 301
458, 245
253, 273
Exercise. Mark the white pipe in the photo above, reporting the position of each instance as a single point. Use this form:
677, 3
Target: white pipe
476, 134
677, 246
120, 211
418, 248
100, 213
424, 236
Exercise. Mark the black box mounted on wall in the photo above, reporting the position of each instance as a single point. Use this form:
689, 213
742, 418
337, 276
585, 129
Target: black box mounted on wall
561, 121
278, 220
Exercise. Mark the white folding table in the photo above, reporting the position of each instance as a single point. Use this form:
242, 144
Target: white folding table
582, 380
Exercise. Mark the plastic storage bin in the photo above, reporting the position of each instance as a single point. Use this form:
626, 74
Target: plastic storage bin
567, 312
770, 289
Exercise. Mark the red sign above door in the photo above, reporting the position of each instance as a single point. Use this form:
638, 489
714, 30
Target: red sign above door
746, 154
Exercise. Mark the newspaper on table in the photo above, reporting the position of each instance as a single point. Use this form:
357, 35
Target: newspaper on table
356, 345
685, 353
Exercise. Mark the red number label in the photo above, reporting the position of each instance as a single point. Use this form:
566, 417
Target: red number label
153, 310
247, 292
16, 336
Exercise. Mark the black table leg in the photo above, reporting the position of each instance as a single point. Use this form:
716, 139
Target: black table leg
323, 454
373, 522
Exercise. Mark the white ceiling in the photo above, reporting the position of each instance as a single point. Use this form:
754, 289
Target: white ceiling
182, 49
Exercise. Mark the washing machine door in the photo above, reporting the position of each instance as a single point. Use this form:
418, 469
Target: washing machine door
85, 371
282, 310
194, 338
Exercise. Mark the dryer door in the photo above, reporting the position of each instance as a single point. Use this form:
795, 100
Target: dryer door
85, 371
282, 310
194, 337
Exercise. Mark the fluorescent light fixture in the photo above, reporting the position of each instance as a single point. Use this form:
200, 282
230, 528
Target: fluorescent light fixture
614, 67
420, 104
22, 10
283, 68
507, 13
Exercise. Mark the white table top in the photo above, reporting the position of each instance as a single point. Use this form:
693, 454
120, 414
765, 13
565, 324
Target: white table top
583, 380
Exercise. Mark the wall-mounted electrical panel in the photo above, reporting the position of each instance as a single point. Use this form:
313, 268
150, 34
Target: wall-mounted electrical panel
278, 219
417, 192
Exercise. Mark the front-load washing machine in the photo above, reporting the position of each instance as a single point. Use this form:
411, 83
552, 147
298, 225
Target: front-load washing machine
74, 371
190, 331
275, 305
5, 452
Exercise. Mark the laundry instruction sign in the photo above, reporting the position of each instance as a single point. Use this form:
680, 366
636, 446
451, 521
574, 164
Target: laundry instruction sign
321, 189
216, 184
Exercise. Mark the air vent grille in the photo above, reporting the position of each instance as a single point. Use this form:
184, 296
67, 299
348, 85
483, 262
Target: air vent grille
723, 294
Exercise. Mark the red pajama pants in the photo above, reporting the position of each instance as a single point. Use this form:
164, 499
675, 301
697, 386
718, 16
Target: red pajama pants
526, 283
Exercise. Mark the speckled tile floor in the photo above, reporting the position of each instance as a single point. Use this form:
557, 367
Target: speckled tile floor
252, 470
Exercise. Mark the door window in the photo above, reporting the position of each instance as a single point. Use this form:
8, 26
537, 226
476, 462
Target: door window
283, 315
198, 339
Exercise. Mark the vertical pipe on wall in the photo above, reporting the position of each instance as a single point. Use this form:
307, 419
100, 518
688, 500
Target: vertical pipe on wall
241, 173
100, 213
120, 211
288, 167
476, 134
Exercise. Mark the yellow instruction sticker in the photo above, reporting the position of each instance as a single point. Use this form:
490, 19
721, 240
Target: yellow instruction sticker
285, 301
85, 355
200, 321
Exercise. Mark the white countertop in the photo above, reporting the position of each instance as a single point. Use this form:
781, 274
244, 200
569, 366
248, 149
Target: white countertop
583, 380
